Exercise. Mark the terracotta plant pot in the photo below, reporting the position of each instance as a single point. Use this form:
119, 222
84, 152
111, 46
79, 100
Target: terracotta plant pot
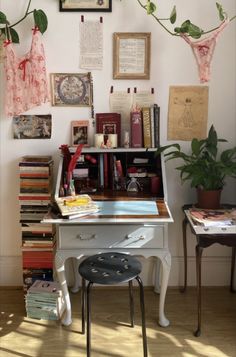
208, 199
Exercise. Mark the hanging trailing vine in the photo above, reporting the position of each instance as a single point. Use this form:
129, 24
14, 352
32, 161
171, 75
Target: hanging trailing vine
187, 27
7, 29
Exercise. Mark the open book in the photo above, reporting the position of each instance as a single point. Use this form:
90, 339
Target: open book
210, 218
76, 205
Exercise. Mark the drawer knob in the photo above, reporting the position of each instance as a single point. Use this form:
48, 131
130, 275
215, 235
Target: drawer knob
86, 236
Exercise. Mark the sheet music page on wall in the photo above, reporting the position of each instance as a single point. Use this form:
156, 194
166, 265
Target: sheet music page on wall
132, 55
91, 45
121, 102
143, 98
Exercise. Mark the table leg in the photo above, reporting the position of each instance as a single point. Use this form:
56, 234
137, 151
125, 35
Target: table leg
166, 265
77, 280
198, 273
184, 226
60, 269
232, 270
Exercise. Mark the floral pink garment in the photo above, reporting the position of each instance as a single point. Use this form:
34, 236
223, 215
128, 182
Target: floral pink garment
26, 77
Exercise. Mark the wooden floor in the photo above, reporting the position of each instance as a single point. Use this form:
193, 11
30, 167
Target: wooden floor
111, 334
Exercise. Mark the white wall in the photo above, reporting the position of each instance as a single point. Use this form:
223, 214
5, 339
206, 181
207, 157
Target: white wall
172, 63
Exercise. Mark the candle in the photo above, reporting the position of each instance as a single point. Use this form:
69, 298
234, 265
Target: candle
112, 140
126, 139
98, 140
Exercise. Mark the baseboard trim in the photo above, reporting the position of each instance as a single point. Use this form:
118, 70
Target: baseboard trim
215, 271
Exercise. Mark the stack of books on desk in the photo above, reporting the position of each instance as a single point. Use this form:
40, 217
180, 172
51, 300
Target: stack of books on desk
44, 300
76, 206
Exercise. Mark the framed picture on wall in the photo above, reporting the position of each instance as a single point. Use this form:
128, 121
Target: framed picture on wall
131, 55
79, 132
86, 5
71, 89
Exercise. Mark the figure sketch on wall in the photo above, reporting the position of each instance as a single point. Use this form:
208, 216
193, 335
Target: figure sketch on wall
32, 126
188, 111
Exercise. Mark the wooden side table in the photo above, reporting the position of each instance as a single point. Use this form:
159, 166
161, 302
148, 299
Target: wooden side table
206, 236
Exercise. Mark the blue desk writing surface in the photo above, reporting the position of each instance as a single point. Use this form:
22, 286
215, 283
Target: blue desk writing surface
127, 208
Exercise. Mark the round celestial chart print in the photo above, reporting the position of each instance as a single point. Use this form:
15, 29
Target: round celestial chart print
71, 89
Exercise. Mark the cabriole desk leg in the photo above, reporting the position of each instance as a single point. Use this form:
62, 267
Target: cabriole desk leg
198, 273
166, 265
60, 269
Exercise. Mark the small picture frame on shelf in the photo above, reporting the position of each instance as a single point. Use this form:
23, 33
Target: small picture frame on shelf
86, 5
131, 55
71, 89
109, 123
79, 132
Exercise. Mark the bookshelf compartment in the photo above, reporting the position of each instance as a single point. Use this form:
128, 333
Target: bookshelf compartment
111, 170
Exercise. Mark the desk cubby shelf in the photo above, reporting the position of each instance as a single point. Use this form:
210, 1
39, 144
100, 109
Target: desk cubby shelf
112, 169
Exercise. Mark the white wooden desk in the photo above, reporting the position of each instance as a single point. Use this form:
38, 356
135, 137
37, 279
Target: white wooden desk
140, 235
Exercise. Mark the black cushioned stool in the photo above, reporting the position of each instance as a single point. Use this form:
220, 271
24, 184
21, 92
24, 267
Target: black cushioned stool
108, 269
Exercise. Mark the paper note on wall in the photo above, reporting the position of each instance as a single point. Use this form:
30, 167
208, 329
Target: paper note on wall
91, 45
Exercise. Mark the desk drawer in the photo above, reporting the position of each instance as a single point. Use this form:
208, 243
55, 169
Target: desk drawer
112, 236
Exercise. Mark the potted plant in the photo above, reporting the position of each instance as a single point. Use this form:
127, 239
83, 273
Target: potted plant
205, 167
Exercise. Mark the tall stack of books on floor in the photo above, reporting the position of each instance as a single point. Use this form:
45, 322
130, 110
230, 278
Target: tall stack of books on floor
38, 239
44, 300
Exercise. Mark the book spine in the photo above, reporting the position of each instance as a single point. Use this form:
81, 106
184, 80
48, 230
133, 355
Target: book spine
136, 129
146, 127
152, 126
101, 171
157, 125
106, 180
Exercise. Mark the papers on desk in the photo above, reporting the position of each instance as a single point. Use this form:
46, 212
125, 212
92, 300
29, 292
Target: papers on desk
76, 206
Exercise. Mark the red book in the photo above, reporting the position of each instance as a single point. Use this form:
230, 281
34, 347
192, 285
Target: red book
136, 128
109, 123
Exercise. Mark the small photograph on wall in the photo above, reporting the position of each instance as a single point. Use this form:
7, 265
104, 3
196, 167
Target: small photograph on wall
80, 132
32, 126
71, 89
187, 112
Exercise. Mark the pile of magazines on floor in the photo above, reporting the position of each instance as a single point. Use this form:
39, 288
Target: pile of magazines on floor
44, 300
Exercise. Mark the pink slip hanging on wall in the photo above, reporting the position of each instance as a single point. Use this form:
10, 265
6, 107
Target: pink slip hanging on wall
26, 77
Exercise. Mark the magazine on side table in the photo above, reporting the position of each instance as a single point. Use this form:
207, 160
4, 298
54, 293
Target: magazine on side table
210, 221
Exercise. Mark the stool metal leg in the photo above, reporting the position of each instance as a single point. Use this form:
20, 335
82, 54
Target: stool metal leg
89, 320
83, 295
142, 306
131, 303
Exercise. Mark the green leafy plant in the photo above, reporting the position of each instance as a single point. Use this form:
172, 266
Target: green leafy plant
7, 29
187, 27
204, 166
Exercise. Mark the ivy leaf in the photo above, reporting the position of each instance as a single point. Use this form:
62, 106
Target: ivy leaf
150, 7
40, 20
185, 26
14, 35
194, 31
3, 19
173, 15
221, 11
